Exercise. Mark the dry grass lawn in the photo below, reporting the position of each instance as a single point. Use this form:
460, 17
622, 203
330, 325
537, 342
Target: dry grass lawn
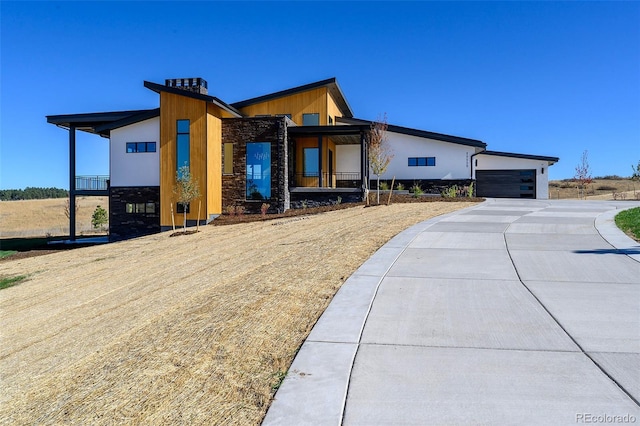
600, 189
37, 218
194, 329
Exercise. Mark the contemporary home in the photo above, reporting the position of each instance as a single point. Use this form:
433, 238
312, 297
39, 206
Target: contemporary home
289, 148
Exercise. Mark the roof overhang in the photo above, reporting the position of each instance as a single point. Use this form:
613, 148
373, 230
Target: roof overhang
550, 160
331, 84
158, 88
340, 135
418, 133
95, 122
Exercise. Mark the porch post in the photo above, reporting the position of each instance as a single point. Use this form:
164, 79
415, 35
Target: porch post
72, 182
363, 162
319, 161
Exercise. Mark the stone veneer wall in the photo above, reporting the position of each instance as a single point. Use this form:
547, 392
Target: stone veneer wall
239, 131
123, 225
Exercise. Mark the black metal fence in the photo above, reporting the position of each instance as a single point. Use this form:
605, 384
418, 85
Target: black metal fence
337, 180
92, 183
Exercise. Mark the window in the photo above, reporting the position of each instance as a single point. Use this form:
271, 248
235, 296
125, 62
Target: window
134, 147
183, 140
311, 119
310, 161
148, 208
180, 208
421, 161
258, 170
228, 159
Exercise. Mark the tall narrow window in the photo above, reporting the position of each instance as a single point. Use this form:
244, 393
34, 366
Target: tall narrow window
228, 159
310, 159
258, 170
183, 140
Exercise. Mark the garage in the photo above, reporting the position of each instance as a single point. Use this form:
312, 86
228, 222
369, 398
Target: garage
506, 183
511, 175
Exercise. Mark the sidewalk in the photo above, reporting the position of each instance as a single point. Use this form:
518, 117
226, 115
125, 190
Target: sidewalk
510, 312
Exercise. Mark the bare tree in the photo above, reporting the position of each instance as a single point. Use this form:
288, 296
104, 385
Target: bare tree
186, 190
380, 153
67, 208
635, 177
583, 173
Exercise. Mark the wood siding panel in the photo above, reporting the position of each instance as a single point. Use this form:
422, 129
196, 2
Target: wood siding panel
214, 161
332, 108
312, 142
311, 101
175, 107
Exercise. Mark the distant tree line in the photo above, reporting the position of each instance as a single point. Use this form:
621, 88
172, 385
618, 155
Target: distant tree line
32, 193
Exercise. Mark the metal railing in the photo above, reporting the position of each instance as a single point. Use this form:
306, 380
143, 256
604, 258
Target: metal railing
336, 180
92, 183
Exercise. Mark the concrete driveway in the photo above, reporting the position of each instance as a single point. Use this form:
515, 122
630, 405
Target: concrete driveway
511, 312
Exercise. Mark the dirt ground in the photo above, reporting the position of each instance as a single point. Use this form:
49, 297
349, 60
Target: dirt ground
196, 329
37, 218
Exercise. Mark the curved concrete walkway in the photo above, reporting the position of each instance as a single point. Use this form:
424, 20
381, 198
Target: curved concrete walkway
510, 312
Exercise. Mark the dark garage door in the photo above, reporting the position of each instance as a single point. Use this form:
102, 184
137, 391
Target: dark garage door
506, 183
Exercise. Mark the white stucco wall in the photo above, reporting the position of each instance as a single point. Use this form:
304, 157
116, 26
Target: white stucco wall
453, 161
135, 169
348, 159
494, 162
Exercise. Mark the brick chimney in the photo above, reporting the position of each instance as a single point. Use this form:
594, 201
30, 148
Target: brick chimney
196, 85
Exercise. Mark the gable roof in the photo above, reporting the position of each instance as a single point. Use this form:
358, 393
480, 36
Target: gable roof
94, 122
331, 84
551, 160
212, 99
419, 133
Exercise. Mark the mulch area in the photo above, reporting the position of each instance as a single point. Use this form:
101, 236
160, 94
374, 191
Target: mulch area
226, 219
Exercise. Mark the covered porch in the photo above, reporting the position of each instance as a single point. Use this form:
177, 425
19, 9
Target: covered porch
328, 159
96, 124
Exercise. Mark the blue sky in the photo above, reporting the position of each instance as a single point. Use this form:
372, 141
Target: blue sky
546, 78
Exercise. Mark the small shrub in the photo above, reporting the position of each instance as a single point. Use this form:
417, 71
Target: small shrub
400, 186
450, 192
264, 208
339, 200
606, 188
384, 186
239, 210
231, 210
416, 190
99, 218
470, 190
304, 204
609, 177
